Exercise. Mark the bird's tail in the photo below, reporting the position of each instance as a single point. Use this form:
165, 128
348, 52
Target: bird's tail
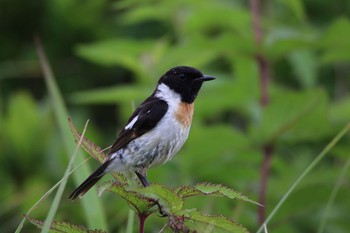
90, 181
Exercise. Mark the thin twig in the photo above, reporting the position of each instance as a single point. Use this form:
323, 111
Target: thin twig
265, 168
265, 75
264, 68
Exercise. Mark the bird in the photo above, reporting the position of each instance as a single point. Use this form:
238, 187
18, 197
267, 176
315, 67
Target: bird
156, 130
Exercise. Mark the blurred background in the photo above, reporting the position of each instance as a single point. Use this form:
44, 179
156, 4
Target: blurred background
107, 56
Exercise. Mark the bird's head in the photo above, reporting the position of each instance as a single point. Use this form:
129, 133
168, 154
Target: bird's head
184, 80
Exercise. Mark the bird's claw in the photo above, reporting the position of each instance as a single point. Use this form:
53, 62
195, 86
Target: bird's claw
160, 209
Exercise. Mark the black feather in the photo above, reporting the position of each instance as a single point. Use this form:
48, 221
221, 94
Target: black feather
90, 181
150, 112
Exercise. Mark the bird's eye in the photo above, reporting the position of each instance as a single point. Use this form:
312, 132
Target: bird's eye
182, 76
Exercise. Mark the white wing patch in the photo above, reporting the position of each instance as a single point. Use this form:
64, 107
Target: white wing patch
131, 124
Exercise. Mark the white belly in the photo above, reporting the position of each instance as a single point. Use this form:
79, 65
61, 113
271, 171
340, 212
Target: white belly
154, 148
160, 144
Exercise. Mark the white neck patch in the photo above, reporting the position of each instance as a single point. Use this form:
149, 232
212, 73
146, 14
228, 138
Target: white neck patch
165, 93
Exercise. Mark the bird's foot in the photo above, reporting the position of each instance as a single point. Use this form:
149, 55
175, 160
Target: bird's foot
160, 209
142, 178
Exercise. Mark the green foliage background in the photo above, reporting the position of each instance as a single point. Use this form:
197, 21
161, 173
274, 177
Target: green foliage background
107, 56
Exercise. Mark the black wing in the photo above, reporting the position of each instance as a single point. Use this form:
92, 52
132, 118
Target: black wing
149, 114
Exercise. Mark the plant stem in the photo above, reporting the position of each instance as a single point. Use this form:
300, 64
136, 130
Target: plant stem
142, 220
265, 168
264, 70
265, 75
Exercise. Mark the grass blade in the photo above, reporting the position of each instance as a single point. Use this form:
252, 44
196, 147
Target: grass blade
130, 223
43, 198
57, 199
319, 157
333, 195
92, 205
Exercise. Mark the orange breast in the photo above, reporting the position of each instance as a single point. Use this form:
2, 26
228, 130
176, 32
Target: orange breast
184, 114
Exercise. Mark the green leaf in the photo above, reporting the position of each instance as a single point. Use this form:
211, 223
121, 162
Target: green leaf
142, 204
20, 134
293, 116
296, 6
190, 53
59, 227
304, 63
208, 18
337, 34
235, 149
111, 95
207, 189
226, 94
75, 17
145, 13
143, 199
195, 220
284, 40
126, 53
167, 198
340, 111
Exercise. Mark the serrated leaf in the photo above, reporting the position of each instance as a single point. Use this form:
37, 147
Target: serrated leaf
139, 202
195, 220
60, 227
95, 151
90, 147
207, 189
167, 198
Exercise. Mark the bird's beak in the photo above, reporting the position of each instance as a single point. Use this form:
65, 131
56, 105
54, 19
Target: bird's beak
205, 78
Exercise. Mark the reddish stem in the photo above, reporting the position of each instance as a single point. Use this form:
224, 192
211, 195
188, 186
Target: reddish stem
265, 169
142, 220
265, 75
255, 10
264, 69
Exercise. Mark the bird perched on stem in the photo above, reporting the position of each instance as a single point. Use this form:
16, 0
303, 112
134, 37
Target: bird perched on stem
156, 130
